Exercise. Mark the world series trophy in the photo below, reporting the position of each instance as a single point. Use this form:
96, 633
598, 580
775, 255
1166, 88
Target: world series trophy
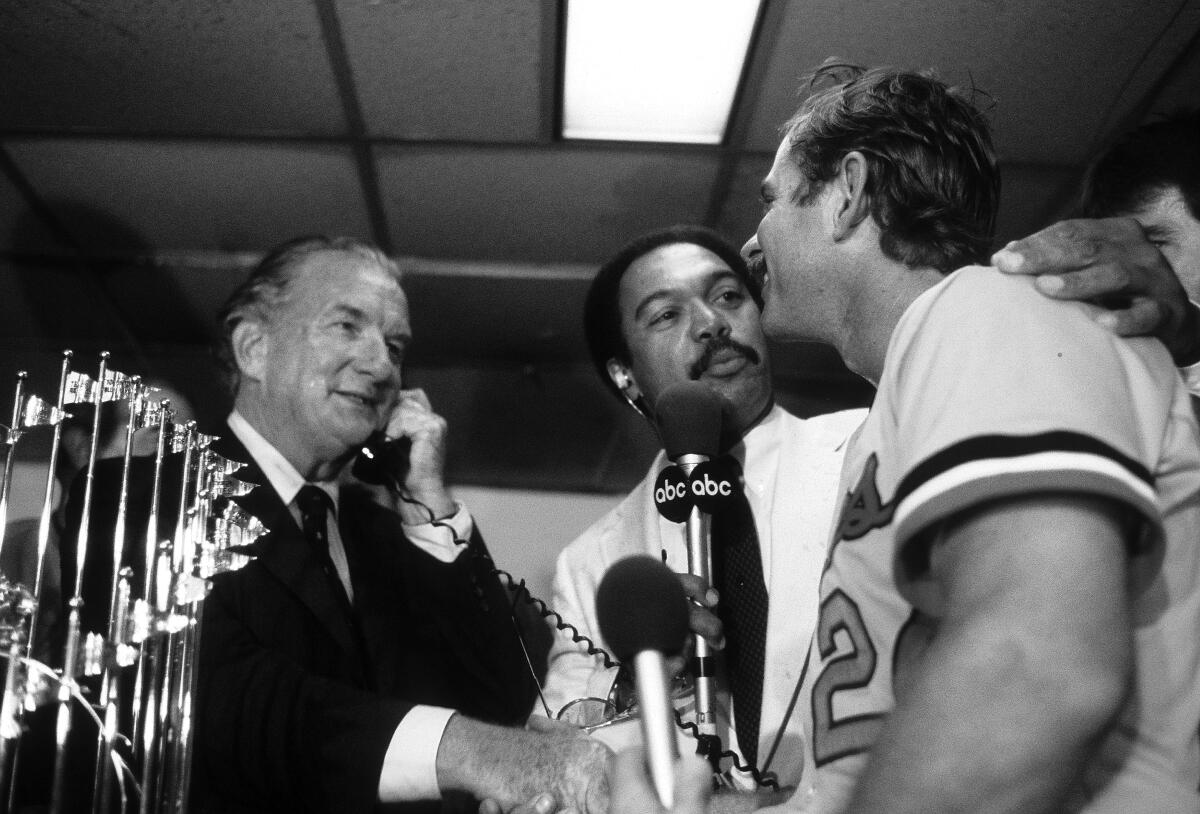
135, 678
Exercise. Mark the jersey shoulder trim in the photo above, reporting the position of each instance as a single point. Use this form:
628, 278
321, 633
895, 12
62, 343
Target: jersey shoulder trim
993, 466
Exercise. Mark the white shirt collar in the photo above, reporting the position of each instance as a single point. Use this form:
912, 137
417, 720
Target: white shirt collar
762, 438
283, 477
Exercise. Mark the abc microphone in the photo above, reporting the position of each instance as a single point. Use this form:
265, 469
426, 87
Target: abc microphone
689, 418
643, 615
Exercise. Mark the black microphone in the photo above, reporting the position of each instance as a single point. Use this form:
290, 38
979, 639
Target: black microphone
689, 416
643, 616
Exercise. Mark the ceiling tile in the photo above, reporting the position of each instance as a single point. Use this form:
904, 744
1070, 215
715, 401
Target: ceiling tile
516, 318
202, 66
1061, 73
447, 69
121, 195
1181, 88
549, 205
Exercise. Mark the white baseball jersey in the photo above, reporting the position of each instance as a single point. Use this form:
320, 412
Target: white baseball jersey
991, 390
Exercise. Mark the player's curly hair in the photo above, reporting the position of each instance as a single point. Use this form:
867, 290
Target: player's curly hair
933, 183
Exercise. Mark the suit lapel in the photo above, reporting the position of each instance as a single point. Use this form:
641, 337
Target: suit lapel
373, 547
284, 552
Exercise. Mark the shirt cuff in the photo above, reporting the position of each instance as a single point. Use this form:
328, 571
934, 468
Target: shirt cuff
410, 764
439, 539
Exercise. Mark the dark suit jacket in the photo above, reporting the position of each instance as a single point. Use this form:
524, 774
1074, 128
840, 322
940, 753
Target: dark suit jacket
299, 695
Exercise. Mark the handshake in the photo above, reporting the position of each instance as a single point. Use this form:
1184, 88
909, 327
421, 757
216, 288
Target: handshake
561, 769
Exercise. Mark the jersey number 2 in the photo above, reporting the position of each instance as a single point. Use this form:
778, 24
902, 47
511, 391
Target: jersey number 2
852, 734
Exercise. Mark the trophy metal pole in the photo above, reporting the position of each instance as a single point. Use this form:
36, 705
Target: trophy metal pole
169, 721
13, 433
10, 709
71, 649
110, 691
43, 543
151, 547
43, 540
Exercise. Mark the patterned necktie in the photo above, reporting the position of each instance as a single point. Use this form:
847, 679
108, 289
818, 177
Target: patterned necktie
743, 610
314, 504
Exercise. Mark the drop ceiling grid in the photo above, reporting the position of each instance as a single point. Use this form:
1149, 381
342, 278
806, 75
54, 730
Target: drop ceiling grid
447, 70
485, 319
554, 205
201, 66
199, 195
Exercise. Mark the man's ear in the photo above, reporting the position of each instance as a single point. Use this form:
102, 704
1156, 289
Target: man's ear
623, 379
853, 203
250, 341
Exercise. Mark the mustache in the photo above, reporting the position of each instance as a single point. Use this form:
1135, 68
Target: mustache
715, 346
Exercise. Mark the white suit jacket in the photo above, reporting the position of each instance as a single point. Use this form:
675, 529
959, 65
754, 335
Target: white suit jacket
791, 468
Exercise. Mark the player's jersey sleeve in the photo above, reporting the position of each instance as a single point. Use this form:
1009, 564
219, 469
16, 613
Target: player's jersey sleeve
1005, 392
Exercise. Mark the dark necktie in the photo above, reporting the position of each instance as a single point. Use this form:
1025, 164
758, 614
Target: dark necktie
314, 504
743, 610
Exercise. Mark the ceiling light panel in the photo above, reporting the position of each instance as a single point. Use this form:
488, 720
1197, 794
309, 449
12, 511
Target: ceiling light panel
653, 70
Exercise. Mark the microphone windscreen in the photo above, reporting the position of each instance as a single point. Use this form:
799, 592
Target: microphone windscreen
640, 606
689, 419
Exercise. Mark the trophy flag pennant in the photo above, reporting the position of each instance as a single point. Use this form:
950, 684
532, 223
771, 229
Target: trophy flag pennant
226, 485
220, 463
203, 441
118, 386
37, 412
177, 440
237, 527
153, 413
80, 388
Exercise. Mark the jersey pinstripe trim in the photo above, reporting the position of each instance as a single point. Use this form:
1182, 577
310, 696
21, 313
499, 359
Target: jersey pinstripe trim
992, 466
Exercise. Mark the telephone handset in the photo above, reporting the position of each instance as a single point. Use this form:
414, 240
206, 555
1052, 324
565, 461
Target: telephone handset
383, 461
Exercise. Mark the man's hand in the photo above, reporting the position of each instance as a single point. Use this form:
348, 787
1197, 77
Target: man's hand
702, 618
632, 792
510, 768
542, 804
1110, 262
413, 418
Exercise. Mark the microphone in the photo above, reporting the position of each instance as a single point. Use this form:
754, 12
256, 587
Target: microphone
643, 615
689, 418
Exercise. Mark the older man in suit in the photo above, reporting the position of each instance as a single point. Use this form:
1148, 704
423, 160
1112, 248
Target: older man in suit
367, 654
